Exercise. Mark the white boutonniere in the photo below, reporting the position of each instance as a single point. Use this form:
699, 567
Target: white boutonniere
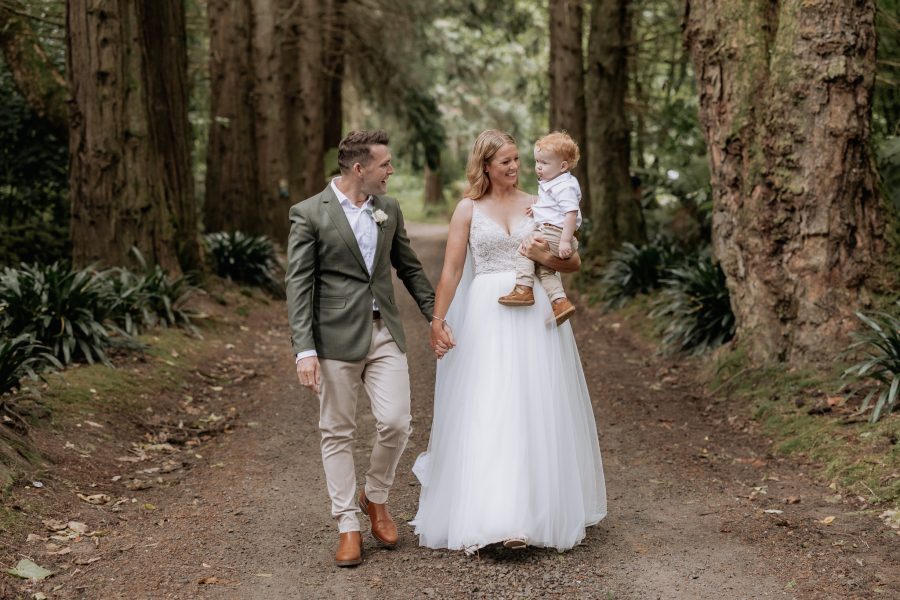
379, 216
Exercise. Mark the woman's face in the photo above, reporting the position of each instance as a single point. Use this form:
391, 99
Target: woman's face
503, 168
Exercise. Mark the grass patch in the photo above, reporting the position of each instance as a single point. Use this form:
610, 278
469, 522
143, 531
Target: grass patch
860, 457
409, 190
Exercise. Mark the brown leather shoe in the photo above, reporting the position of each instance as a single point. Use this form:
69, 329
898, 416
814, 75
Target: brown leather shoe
383, 527
520, 296
562, 310
349, 552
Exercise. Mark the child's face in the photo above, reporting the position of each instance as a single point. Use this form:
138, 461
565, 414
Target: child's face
548, 165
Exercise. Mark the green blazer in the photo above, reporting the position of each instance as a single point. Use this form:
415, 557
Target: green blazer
329, 290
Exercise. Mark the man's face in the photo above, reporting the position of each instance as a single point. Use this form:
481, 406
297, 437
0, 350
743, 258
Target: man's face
548, 165
375, 174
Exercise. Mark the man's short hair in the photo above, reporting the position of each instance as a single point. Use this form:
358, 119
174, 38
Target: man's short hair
562, 145
354, 148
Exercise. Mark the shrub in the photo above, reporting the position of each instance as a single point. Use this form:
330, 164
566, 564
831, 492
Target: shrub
245, 259
880, 341
634, 270
62, 308
694, 308
21, 356
147, 298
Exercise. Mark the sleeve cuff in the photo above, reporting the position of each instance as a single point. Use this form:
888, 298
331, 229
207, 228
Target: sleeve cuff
305, 354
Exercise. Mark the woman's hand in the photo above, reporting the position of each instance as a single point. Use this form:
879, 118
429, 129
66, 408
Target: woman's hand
538, 250
441, 338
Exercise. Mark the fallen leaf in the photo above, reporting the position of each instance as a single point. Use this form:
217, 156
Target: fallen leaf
148, 506
827, 520
263, 574
93, 424
77, 526
32, 537
26, 569
211, 581
792, 500
95, 498
54, 525
86, 561
773, 511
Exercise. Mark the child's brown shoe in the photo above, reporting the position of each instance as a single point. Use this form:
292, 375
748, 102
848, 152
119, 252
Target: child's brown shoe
562, 310
520, 296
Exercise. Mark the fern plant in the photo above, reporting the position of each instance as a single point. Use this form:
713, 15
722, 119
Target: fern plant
245, 259
880, 343
694, 307
634, 270
21, 356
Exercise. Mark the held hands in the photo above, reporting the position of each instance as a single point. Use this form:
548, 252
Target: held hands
441, 338
308, 373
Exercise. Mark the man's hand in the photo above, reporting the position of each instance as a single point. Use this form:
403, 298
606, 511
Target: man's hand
538, 250
565, 249
308, 373
441, 338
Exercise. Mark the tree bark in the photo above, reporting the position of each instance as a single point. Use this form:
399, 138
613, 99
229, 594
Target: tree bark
785, 102
271, 122
567, 103
37, 79
434, 192
312, 93
232, 165
335, 42
615, 212
128, 171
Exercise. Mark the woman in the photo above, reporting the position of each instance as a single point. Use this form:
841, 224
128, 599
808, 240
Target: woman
513, 455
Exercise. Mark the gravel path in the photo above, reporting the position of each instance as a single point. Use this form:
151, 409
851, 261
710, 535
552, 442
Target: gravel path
688, 490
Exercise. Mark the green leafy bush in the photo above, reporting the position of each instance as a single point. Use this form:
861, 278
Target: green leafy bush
634, 270
245, 259
880, 342
19, 357
694, 308
63, 309
33, 241
147, 298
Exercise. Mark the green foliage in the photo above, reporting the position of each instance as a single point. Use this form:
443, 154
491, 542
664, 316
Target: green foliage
64, 309
634, 270
880, 342
886, 113
694, 308
21, 356
35, 241
245, 259
33, 179
146, 299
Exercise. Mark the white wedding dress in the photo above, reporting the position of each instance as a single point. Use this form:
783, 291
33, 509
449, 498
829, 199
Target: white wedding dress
513, 451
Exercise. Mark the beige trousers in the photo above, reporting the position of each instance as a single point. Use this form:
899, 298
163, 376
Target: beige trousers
385, 376
526, 269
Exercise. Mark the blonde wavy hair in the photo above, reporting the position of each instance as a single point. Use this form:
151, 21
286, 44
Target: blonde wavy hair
486, 146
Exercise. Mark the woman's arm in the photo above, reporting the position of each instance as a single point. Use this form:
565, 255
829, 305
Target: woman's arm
454, 263
538, 250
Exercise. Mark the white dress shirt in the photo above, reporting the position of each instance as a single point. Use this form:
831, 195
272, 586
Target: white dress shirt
362, 222
556, 197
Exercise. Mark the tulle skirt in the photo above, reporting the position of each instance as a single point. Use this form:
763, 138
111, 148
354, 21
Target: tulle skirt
513, 451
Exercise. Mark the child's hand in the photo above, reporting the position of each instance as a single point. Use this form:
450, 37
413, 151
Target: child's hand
565, 249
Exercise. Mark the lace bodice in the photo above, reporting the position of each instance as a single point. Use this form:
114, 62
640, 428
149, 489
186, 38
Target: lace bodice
493, 251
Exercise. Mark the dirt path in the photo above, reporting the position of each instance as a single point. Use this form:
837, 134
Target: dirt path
687, 493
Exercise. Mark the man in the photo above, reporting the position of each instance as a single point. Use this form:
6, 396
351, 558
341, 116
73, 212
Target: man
347, 331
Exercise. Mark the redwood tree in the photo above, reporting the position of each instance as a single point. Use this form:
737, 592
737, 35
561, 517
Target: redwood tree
567, 105
615, 211
785, 102
129, 170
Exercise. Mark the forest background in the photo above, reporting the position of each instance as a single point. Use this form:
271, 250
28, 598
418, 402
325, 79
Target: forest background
741, 161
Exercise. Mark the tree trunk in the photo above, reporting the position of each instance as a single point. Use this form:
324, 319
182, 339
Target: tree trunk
615, 213
40, 83
434, 192
232, 163
312, 92
785, 102
335, 42
128, 171
271, 123
567, 104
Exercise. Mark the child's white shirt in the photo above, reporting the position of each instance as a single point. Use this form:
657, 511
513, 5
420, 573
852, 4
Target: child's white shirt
556, 197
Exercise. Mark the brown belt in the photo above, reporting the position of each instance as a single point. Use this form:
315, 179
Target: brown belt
376, 315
